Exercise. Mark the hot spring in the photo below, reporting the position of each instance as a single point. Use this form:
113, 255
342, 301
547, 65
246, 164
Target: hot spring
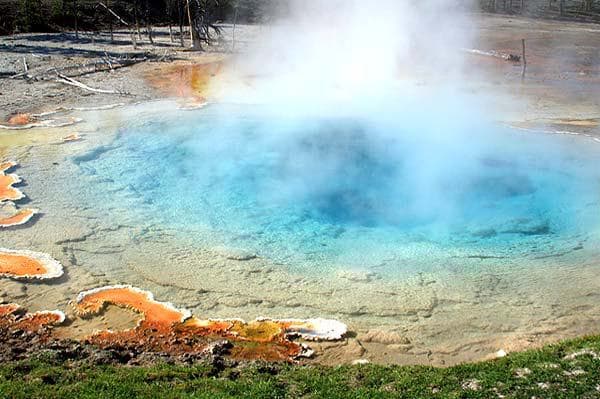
463, 235
350, 162
379, 196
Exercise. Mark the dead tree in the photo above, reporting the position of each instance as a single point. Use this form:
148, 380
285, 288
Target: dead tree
188, 10
76, 17
136, 19
118, 18
203, 17
148, 24
169, 5
180, 17
110, 23
235, 16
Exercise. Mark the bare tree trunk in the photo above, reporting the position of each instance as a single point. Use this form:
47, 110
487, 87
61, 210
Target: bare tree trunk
76, 15
133, 39
136, 19
192, 30
148, 25
180, 17
561, 6
235, 15
95, 25
63, 12
110, 24
169, 17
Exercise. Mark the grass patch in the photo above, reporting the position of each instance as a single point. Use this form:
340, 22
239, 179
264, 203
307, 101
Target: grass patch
570, 369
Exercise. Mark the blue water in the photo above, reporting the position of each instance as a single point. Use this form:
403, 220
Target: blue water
329, 193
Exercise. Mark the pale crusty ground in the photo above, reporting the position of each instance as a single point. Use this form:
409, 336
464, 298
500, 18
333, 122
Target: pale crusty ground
44, 51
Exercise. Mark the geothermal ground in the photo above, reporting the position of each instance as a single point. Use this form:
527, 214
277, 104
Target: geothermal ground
426, 318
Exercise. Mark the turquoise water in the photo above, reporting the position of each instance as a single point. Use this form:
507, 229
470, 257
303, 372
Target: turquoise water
321, 194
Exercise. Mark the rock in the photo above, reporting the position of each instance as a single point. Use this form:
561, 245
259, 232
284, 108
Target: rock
385, 337
501, 353
583, 352
522, 372
574, 373
235, 253
360, 361
471, 385
357, 276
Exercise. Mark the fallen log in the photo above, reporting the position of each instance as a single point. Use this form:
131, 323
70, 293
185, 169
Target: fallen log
495, 54
25, 72
72, 82
102, 65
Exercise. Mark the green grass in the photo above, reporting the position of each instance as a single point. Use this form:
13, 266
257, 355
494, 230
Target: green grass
546, 373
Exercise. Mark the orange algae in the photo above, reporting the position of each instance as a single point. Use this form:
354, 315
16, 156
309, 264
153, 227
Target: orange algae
7, 191
28, 265
12, 318
36, 321
167, 329
22, 216
8, 308
257, 340
156, 314
190, 80
20, 119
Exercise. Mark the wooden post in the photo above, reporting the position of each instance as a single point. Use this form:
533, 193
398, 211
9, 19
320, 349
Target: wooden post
524, 60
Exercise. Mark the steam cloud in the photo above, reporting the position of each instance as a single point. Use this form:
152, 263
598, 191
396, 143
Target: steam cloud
362, 111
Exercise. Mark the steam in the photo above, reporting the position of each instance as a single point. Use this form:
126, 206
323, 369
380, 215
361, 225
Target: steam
330, 50
362, 108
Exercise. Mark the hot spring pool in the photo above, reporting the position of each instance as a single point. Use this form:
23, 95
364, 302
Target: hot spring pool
462, 236
324, 195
